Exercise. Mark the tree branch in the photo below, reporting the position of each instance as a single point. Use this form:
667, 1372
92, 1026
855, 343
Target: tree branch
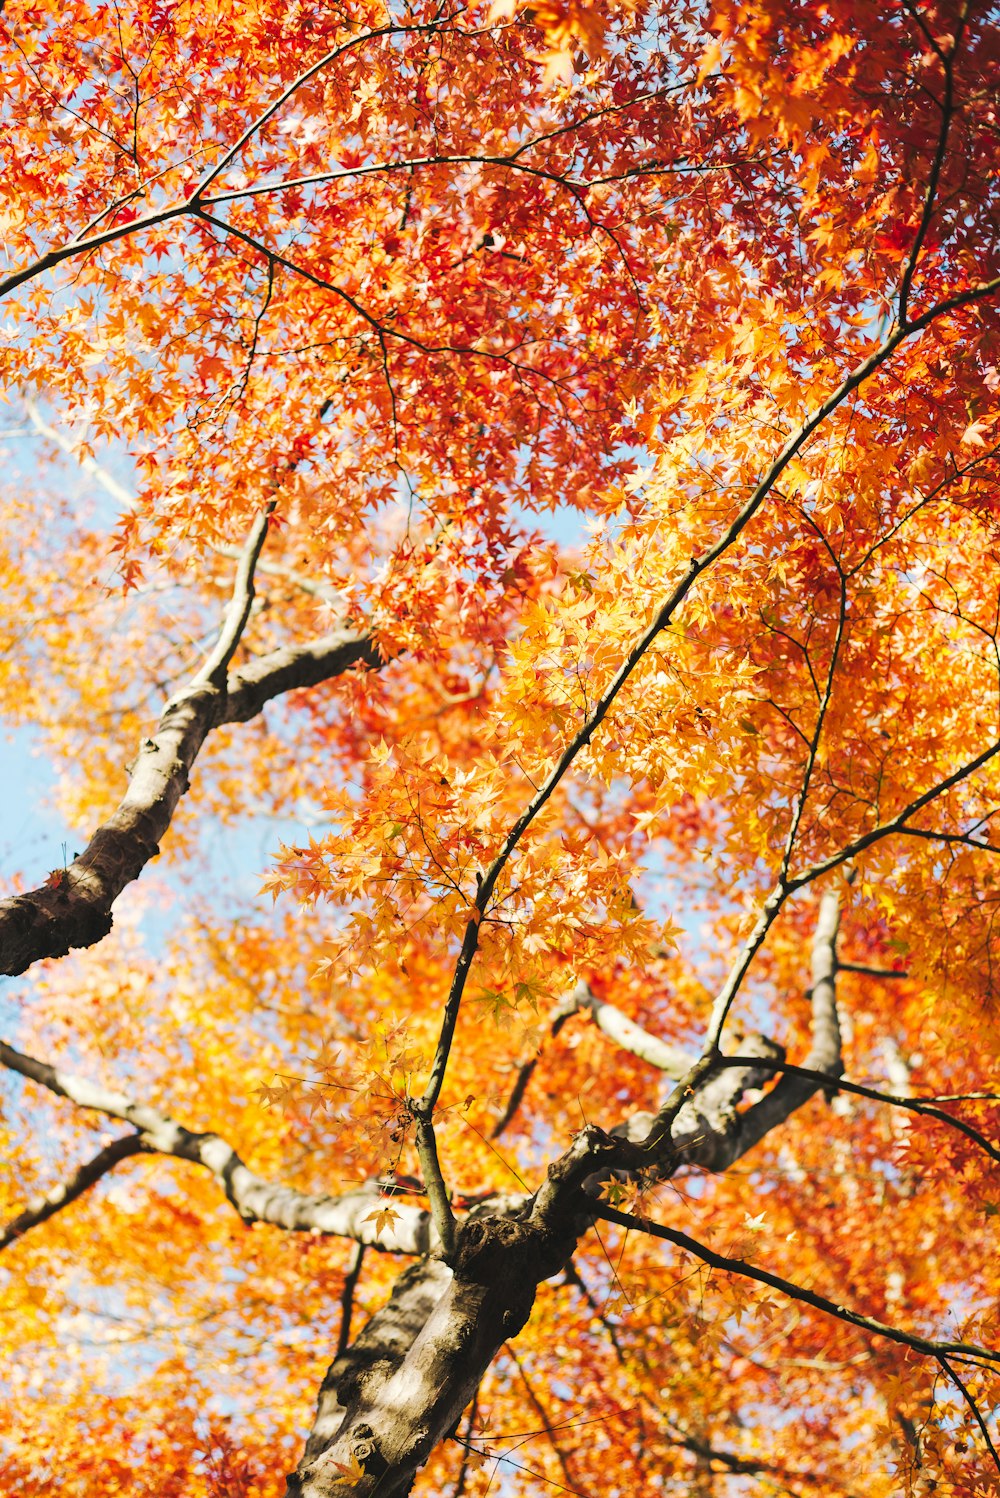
617, 1026
253, 1197
100, 475
543, 1415
347, 1297
857, 1089
316, 588
788, 885
85, 1176
215, 669
821, 714
967, 839
871, 972
675, 1434
231, 152
963, 1389
73, 909
795, 1292
434, 1185
934, 177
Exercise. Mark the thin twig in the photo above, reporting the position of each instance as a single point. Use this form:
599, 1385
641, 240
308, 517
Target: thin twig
934, 177
543, 1416
973, 1406
858, 1089
212, 172
463, 1470
794, 1292
821, 714
791, 884
871, 972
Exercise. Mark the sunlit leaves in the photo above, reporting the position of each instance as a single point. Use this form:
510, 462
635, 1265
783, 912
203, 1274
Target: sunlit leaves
508, 312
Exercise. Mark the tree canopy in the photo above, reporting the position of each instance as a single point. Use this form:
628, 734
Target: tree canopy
501, 546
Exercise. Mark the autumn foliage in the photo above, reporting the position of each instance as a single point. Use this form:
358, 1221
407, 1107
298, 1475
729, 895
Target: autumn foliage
501, 546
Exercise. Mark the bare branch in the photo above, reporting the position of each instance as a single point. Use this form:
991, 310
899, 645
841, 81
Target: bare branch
434, 1185
85, 1176
963, 1389
821, 714
871, 972
830, 1083
93, 469
73, 909
215, 669
347, 1297
795, 1292
934, 177
617, 1026
254, 1198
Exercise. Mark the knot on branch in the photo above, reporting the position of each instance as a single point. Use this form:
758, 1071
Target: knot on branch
510, 1258
366, 1453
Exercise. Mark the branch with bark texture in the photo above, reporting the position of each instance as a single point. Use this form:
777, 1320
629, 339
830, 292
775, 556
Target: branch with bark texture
617, 1026
74, 908
706, 1129
253, 1197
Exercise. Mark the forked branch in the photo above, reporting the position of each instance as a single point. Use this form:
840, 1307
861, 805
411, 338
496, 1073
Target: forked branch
351, 1215
73, 908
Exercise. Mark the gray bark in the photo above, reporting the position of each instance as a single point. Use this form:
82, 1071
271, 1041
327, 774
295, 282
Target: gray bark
254, 1198
75, 910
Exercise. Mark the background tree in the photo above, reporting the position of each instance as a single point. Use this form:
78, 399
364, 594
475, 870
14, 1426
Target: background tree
583, 422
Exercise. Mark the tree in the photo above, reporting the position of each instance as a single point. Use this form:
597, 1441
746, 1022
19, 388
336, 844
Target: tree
590, 414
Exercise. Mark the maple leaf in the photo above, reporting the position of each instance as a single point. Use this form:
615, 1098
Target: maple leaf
384, 1218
